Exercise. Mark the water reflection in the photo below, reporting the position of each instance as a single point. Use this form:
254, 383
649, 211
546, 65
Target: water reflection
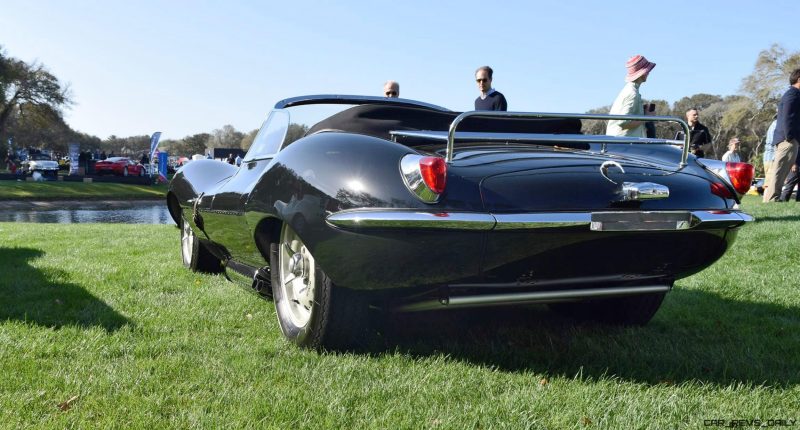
144, 213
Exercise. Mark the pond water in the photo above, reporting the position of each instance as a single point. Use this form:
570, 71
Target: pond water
147, 212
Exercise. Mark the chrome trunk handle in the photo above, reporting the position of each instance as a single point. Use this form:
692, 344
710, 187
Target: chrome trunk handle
643, 191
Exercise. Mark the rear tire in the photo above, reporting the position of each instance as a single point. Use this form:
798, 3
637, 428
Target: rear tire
195, 255
312, 311
628, 311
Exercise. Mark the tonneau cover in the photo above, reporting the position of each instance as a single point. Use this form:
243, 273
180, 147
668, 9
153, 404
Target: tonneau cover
379, 120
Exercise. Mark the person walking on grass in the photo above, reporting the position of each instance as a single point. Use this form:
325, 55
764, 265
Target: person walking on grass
791, 181
787, 133
629, 101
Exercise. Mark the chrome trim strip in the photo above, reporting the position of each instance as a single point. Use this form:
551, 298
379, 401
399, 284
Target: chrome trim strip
342, 99
223, 212
470, 136
406, 219
530, 297
717, 217
452, 132
526, 221
596, 221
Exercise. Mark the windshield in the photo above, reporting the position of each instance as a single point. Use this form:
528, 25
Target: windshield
269, 137
284, 126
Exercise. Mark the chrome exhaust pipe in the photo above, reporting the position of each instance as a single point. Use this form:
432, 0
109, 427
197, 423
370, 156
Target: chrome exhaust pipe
472, 301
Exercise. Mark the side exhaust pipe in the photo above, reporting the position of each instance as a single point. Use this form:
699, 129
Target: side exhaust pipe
454, 302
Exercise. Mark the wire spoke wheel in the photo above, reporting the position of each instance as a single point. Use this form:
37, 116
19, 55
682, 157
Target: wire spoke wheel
312, 311
194, 254
297, 277
187, 243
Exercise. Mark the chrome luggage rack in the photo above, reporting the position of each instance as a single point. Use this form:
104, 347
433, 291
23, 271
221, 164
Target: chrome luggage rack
451, 135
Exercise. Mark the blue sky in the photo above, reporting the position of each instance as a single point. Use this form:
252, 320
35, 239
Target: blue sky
189, 67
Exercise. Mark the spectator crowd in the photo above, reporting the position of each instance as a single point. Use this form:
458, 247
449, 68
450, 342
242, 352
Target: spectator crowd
781, 154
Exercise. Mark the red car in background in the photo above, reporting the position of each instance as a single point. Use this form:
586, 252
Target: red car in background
121, 166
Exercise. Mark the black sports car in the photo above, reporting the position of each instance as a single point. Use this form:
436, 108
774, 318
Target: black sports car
345, 203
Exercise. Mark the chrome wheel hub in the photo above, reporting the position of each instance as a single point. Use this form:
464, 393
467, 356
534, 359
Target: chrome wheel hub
297, 273
187, 243
296, 264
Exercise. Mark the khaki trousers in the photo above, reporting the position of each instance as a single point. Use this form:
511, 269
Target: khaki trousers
767, 168
785, 155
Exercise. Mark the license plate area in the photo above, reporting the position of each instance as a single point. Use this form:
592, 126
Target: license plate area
640, 221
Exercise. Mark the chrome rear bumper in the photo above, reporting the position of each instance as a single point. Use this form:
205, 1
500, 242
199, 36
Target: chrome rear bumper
594, 221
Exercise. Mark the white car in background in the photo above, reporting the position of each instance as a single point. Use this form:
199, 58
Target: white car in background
40, 163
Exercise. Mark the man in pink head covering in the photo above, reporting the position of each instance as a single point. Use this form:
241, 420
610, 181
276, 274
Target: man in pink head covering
629, 101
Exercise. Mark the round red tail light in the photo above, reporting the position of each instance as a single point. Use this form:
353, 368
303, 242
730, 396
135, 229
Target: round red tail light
719, 189
741, 175
434, 173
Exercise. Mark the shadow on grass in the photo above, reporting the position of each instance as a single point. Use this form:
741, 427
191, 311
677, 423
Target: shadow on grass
778, 218
32, 296
696, 336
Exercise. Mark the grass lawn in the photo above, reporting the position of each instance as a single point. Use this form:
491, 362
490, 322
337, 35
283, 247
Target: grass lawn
51, 190
101, 327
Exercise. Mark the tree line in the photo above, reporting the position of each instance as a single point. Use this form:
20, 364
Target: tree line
32, 101
32, 104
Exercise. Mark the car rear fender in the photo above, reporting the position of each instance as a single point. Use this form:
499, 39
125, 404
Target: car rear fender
330, 172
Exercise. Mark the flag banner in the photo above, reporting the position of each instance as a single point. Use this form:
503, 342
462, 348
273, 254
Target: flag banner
162, 166
74, 158
154, 143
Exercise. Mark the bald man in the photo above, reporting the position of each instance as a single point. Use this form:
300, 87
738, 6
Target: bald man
391, 89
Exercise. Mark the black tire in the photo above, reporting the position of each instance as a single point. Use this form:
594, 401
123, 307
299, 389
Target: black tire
628, 310
324, 317
195, 255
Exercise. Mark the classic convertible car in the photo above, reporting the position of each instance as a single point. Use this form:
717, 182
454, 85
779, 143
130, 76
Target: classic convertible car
350, 203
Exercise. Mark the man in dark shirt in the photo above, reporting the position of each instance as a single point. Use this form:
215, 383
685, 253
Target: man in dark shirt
699, 136
785, 139
490, 99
